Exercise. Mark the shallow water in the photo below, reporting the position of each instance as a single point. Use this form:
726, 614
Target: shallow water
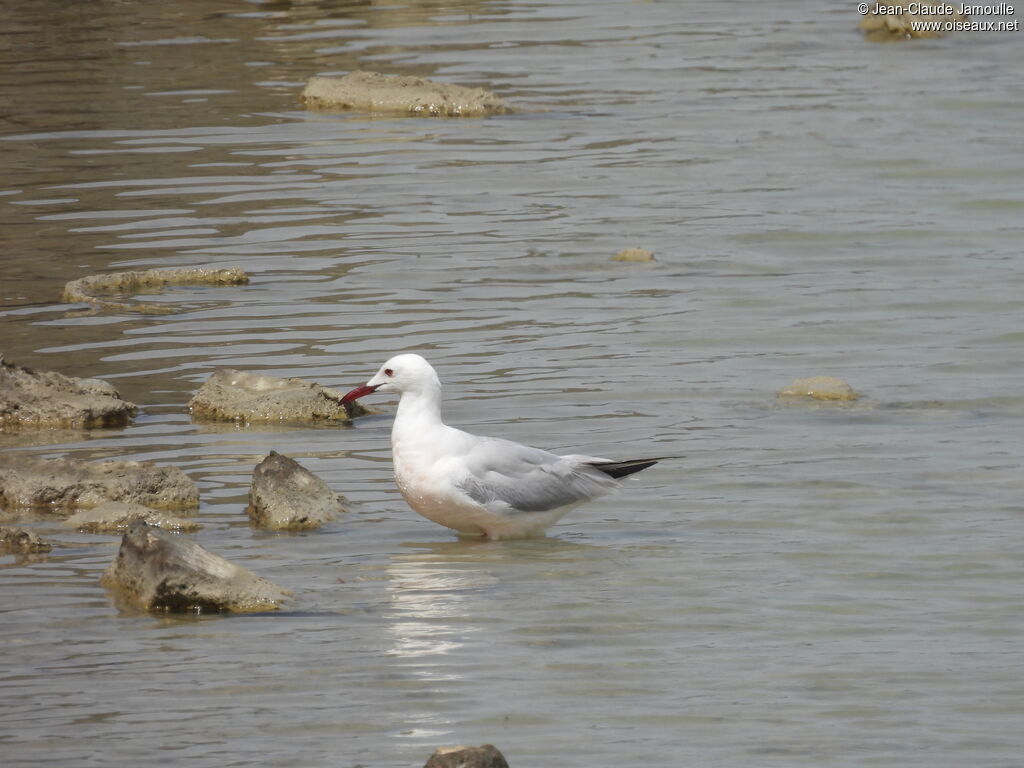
809, 585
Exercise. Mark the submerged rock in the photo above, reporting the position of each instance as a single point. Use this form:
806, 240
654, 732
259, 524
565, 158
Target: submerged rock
40, 399
376, 92
819, 388
159, 571
116, 516
634, 254
89, 290
233, 395
20, 541
882, 23
61, 485
486, 756
286, 495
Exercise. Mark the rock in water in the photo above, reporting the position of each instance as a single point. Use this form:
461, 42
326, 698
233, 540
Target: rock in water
486, 756
41, 399
286, 495
634, 254
159, 571
819, 388
415, 96
116, 516
62, 485
21, 541
241, 396
90, 290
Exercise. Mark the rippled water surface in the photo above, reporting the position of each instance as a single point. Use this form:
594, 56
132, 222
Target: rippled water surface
832, 585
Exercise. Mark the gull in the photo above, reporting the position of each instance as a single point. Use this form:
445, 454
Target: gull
483, 486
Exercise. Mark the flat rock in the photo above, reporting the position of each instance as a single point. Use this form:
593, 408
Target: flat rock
634, 254
116, 516
20, 541
879, 25
416, 96
63, 485
33, 399
818, 388
486, 756
287, 496
92, 288
164, 572
242, 396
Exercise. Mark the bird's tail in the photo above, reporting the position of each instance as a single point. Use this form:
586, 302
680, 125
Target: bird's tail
618, 469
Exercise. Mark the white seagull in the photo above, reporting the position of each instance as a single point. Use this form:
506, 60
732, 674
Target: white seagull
484, 486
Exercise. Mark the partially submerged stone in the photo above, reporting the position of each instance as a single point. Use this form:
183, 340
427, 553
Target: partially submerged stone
62, 485
21, 541
885, 22
33, 399
376, 92
287, 496
116, 516
159, 571
819, 388
242, 396
486, 756
92, 289
634, 254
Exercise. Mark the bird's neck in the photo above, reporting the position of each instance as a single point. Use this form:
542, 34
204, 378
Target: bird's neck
418, 412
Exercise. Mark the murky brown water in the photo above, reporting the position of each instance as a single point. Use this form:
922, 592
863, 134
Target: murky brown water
833, 586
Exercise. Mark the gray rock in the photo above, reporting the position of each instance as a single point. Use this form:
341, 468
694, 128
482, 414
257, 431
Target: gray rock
33, 399
20, 541
486, 756
818, 388
242, 396
116, 516
90, 289
164, 572
287, 496
62, 485
414, 96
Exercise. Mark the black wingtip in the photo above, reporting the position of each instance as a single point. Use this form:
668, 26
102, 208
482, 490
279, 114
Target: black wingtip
619, 469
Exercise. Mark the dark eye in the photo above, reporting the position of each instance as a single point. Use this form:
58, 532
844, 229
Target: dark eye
388, 372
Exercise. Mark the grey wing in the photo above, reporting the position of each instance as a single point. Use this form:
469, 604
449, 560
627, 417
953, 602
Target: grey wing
518, 478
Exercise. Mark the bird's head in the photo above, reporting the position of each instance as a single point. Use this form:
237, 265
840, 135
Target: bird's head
402, 373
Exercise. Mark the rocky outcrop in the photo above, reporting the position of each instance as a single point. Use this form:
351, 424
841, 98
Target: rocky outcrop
91, 289
33, 399
818, 388
416, 96
63, 485
21, 541
287, 496
486, 756
241, 396
116, 516
164, 572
